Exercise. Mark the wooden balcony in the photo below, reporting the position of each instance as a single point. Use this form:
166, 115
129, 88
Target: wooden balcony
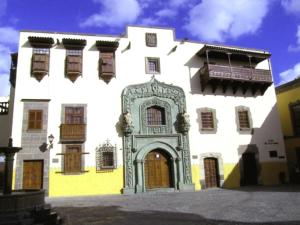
236, 77
40, 65
72, 132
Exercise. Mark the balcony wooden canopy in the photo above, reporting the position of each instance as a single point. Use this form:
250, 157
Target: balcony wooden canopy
236, 54
107, 46
41, 42
243, 75
70, 43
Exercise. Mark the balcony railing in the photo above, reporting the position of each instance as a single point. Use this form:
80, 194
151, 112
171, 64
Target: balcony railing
4, 108
236, 73
72, 132
239, 76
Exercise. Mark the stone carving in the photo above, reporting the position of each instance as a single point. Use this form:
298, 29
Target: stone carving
127, 123
135, 101
183, 122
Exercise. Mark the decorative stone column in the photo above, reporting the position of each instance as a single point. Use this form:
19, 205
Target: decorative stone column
139, 169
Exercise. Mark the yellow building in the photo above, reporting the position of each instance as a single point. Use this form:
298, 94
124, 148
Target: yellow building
288, 96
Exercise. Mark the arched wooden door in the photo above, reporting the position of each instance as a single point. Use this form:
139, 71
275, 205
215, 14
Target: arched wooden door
157, 170
250, 169
211, 172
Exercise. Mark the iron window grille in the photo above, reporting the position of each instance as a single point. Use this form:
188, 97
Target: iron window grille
151, 39
45, 51
106, 156
152, 65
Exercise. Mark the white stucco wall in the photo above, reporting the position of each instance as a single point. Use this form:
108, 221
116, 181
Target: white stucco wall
104, 100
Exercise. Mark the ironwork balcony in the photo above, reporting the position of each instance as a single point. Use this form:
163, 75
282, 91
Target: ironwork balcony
72, 132
215, 75
4, 108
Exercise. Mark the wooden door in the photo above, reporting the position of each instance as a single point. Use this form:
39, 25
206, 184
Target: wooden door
157, 170
33, 174
72, 159
211, 172
250, 169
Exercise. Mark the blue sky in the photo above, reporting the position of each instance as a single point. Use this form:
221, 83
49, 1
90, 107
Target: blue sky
273, 25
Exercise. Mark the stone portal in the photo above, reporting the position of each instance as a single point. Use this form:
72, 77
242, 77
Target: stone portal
155, 122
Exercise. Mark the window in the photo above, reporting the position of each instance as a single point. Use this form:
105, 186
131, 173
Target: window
243, 119
40, 62
152, 65
35, 119
107, 63
273, 154
151, 40
73, 64
106, 157
295, 114
74, 115
207, 120
72, 159
156, 116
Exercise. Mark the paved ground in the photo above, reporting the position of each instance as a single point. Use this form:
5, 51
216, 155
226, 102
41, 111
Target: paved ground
255, 205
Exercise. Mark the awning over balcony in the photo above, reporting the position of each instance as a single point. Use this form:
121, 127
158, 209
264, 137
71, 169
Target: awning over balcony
236, 54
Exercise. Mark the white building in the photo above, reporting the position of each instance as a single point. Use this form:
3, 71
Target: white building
141, 112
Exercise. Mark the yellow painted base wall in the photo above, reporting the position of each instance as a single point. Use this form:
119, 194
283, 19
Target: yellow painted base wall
196, 176
270, 172
89, 183
231, 175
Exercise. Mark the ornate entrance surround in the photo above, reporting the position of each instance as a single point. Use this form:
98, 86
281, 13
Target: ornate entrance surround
139, 138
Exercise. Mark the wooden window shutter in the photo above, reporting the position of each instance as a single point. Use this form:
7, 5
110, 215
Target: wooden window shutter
35, 119
107, 63
207, 120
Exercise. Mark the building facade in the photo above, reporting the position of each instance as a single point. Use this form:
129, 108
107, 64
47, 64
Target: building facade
288, 101
98, 114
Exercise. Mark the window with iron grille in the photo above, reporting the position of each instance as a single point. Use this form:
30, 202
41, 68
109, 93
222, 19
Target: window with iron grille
41, 51
151, 40
35, 119
106, 157
156, 116
152, 65
207, 120
295, 114
243, 119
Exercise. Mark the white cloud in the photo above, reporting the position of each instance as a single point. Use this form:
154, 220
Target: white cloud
4, 59
4, 84
291, 6
296, 48
290, 74
168, 13
217, 20
150, 21
115, 13
9, 35
178, 3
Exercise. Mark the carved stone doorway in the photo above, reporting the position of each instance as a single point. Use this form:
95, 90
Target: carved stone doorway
157, 170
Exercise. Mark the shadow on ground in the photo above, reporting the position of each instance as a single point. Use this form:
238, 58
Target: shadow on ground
277, 188
114, 215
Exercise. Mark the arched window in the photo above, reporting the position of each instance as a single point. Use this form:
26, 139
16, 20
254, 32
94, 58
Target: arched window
156, 116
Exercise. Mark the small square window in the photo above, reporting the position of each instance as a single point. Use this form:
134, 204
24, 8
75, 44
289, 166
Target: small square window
152, 65
106, 157
151, 40
273, 154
